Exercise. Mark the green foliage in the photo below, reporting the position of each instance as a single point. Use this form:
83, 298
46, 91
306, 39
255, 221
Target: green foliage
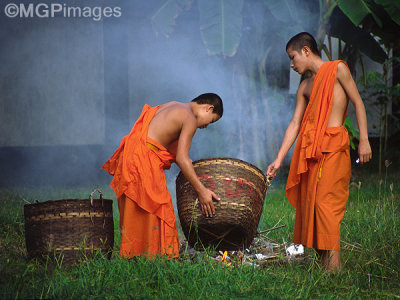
379, 91
341, 27
220, 22
163, 20
294, 20
357, 10
392, 7
221, 25
376, 84
353, 132
377, 19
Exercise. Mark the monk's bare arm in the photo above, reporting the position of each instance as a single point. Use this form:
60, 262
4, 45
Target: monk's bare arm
346, 80
189, 126
291, 132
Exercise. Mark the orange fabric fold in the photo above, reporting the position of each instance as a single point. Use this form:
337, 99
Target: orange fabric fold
143, 233
138, 172
320, 170
313, 126
323, 192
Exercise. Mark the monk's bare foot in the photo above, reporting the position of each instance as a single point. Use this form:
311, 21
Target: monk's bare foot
323, 256
334, 265
329, 260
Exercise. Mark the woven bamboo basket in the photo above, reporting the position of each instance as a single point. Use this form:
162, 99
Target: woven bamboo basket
69, 229
242, 188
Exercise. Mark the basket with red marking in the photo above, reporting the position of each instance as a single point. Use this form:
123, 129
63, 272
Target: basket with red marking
242, 188
69, 229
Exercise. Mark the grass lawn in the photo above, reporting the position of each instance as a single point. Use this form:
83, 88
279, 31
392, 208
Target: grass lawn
370, 255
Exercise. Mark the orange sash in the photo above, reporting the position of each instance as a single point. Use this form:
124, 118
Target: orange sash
141, 188
313, 126
139, 171
320, 171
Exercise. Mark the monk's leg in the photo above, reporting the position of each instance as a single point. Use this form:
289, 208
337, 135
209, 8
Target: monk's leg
334, 263
330, 205
322, 257
140, 230
143, 233
329, 260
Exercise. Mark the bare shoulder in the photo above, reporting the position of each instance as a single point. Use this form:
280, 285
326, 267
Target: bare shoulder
303, 84
169, 122
176, 113
343, 72
305, 88
178, 110
171, 106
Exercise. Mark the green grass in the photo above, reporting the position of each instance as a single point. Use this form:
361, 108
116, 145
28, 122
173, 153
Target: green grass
370, 255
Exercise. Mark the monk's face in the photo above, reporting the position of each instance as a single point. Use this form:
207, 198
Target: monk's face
206, 116
298, 60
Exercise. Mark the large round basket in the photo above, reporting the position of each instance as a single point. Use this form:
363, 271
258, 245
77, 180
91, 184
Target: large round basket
69, 229
242, 188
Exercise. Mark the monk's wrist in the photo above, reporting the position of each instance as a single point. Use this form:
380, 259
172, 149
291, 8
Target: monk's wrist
200, 189
279, 159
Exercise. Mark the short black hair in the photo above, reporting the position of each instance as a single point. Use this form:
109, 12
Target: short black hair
212, 99
302, 39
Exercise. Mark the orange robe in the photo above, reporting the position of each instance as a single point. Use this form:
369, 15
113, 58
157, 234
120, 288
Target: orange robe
320, 170
147, 218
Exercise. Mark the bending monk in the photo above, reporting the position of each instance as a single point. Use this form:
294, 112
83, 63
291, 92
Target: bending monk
320, 170
162, 135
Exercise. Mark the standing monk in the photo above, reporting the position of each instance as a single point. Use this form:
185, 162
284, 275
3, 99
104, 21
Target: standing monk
320, 170
162, 135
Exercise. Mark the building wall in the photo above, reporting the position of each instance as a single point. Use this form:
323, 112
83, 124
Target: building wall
51, 82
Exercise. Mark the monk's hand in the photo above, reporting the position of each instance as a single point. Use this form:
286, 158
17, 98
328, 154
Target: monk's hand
364, 151
206, 202
273, 168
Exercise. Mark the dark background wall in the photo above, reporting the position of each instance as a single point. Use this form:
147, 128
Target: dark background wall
71, 88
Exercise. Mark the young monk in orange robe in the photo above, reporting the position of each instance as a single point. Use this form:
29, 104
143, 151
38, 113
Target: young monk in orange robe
162, 135
320, 170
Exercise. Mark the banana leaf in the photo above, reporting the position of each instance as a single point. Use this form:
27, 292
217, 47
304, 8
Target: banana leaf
392, 7
342, 28
221, 25
357, 10
164, 18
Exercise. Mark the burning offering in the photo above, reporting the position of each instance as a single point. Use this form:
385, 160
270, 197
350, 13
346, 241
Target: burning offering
261, 252
242, 188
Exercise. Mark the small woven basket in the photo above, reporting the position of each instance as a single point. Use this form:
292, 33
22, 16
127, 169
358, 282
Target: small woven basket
242, 188
69, 229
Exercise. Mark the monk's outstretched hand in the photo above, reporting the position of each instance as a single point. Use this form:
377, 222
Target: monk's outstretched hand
206, 202
273, 168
